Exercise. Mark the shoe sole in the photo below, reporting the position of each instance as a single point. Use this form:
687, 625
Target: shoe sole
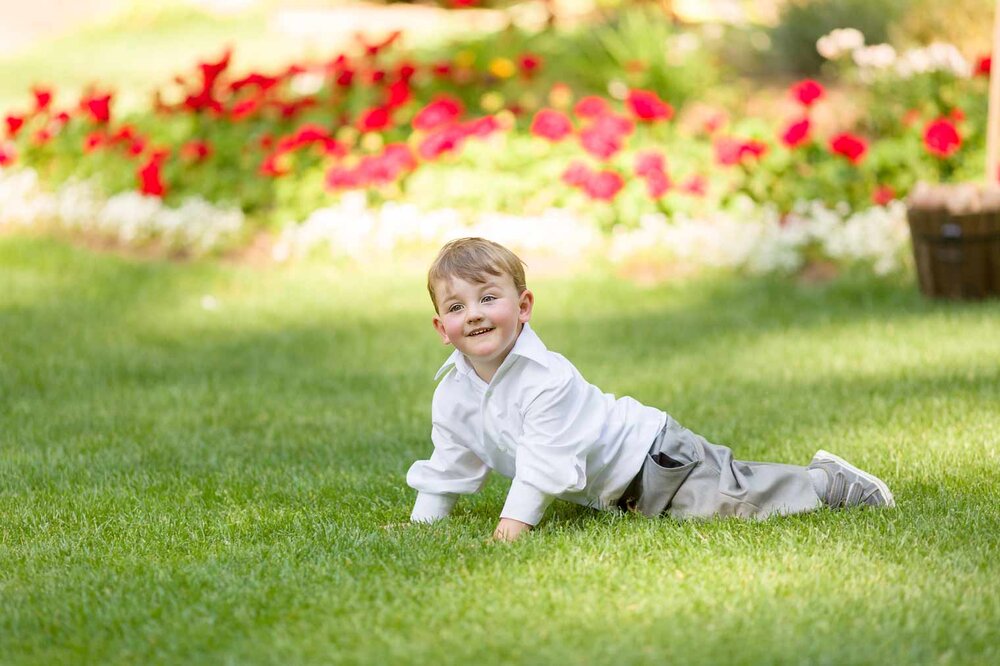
879, 483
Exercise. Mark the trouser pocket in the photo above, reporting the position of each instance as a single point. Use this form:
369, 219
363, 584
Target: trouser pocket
661, 477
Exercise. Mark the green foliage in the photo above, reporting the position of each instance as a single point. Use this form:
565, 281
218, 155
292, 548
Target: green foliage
802, 22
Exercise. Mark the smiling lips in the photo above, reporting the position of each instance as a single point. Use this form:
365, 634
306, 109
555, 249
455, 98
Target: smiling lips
480, 331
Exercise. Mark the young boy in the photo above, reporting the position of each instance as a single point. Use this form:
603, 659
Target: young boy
507, 403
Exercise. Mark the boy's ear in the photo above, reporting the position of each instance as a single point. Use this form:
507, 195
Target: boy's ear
525, 305
439, 327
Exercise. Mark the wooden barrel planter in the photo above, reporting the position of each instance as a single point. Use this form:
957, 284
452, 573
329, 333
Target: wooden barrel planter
956, 240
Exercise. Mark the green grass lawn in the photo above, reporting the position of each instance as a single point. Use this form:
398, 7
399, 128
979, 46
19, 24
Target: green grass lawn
188, 485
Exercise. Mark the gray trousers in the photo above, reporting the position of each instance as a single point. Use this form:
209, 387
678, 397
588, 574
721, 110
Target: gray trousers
686, 476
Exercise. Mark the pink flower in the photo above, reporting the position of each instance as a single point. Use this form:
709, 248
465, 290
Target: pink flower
648, 162
591, 107
941, 138
695, 185
551, 125
444, 140
850, 146
796, 133
730, 150
647, 106
7, 155
441, 111
657, 184
604, 185
576, 174
806, 92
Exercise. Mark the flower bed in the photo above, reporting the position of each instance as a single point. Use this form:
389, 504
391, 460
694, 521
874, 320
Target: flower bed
490, 132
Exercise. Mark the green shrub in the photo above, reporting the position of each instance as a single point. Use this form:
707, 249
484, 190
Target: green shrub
802, 22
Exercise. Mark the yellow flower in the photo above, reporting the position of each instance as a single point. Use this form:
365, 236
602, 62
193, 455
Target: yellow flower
560, 96
502, 68
491, 101
372, 142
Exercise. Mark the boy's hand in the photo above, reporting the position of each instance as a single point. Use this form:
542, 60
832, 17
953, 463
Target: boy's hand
510, 529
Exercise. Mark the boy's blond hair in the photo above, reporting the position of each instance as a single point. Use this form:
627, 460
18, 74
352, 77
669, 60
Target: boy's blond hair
469, 258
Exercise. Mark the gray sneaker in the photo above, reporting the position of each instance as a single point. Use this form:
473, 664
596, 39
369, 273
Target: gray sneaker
846, 485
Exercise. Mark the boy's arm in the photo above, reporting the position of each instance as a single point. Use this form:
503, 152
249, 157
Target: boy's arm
452, 470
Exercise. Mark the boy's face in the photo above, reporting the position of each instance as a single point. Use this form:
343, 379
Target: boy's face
466, 309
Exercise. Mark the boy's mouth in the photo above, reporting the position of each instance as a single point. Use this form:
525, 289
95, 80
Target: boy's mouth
479, 331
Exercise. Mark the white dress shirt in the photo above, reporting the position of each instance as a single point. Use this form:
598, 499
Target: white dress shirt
538, 422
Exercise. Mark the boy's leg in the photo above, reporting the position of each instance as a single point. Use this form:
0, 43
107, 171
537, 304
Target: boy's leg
687, 476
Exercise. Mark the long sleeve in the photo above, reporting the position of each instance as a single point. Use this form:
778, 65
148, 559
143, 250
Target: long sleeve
452, 470
560, 426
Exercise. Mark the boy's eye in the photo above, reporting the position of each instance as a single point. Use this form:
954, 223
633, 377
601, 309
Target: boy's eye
454, 307
491, 298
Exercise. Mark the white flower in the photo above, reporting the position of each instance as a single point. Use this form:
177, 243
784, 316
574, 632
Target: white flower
838, 42
879, 56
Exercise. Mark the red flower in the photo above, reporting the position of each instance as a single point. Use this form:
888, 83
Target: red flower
42, 136
94, 141
210, 71
271, 166
796, 133
345, 78
604, 185
43, 98
444, 140
983, 65
806, 92
7, 155
882, 195
591, 107
657, 184
941, 138
150, 175
529, 62
647, 106
244, 109
261, 82
375, 120
405, 71
957, 115
649, 162
850, 146
441, 69
551, 125
398, 93
196, 151
441, 111
99, 108
14, 124
461, 4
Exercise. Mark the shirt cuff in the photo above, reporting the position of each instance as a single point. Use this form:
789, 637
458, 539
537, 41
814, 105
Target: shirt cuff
430, 507
525, 503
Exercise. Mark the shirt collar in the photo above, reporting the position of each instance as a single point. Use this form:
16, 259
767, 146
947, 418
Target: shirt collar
528, 345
